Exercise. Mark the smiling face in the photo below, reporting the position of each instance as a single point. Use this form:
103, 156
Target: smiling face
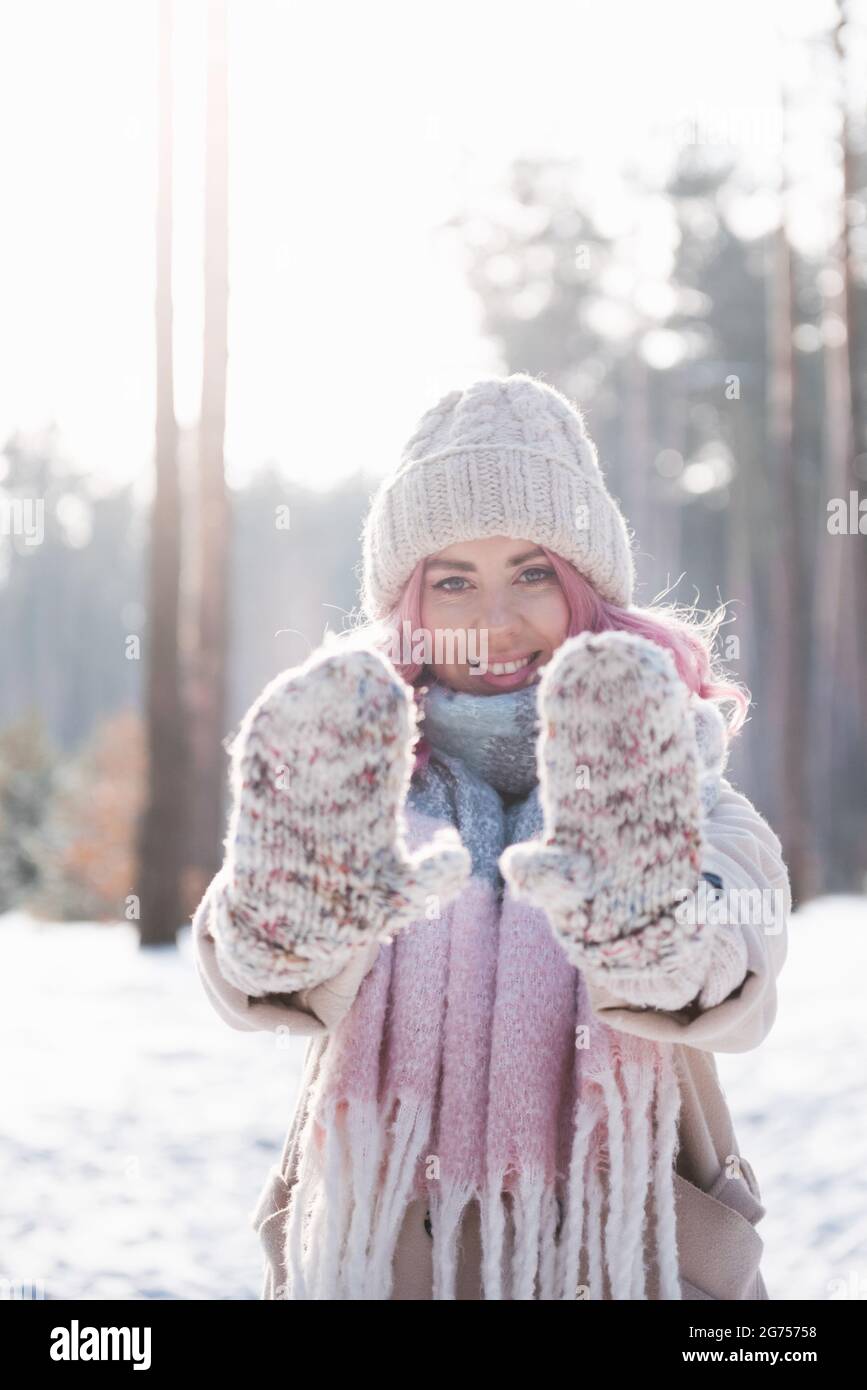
506, 593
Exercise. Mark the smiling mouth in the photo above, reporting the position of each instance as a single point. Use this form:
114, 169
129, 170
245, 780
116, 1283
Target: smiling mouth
508, 668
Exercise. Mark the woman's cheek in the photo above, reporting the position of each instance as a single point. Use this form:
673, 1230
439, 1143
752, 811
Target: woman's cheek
441, 612
551, 617
429, 613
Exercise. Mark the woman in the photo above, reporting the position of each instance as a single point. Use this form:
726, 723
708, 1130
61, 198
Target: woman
499, 934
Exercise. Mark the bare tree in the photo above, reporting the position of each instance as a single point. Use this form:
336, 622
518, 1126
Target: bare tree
790, 636
160, 840
839, 735
856, 438
207, 672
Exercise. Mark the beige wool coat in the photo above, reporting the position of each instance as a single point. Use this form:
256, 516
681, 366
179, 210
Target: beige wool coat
718, 1202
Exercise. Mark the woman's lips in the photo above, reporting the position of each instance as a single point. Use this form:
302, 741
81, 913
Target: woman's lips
508, 680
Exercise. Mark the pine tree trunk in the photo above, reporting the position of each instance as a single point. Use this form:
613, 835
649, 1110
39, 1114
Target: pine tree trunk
838, 739
160, 832
790, 641
855, 733
211, 562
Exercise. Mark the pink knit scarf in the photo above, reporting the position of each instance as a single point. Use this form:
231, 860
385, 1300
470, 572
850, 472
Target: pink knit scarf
471, 1067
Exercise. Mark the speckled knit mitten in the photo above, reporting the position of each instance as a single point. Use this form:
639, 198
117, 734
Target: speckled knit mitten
316, 863
620, 785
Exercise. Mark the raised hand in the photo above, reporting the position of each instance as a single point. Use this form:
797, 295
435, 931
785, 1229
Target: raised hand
316, 864
619, 773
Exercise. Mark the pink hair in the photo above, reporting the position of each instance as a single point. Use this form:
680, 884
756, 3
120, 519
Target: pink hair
689, 641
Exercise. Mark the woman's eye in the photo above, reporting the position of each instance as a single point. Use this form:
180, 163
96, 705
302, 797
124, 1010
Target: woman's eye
540, 571
452, 579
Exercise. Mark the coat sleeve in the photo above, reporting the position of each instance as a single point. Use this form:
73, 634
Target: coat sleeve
306, 1012
745, 853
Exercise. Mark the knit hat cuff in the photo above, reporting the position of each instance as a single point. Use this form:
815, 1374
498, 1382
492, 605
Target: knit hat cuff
468, 494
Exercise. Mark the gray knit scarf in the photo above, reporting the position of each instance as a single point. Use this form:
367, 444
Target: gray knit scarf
482, 772
494, 735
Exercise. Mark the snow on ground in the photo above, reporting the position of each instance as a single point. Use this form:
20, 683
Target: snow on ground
137, 1127
799, 1105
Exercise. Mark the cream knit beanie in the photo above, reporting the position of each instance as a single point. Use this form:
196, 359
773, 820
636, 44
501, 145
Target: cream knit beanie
506, 456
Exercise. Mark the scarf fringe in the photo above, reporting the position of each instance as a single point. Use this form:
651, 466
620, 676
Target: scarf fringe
572, 1231
447, 1206
548, 1246
341, 1234
527, 1217
668, 1107
409, 1134
638, 1177
493, 1224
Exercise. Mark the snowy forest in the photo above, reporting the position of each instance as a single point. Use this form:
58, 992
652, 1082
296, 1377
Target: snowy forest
729, 405
709, 315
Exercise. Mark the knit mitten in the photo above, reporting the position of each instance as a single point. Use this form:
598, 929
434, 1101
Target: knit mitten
316, 863
620, 786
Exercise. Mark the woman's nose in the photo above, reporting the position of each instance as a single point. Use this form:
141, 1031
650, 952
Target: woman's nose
498, 615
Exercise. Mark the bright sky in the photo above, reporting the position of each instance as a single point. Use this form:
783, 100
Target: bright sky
355, 129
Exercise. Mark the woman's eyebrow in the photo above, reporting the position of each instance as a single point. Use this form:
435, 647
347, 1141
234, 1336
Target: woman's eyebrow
469, 567
528, 555
449, 565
